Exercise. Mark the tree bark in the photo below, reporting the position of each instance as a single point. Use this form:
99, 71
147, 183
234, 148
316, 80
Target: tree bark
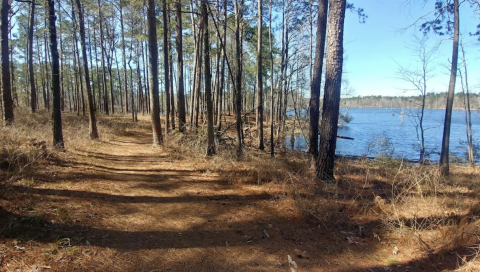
198, 79
238, 77
222, 69
47, 83
195, 64
180, 85
208, 82
170, 67
468, 113
62, 89
102, 50
260, 79
57, 114
153, 60
124, 58
315, 86
33, 91
331, 100
166, 66
6, 83
444, 160
272, 99
92, 122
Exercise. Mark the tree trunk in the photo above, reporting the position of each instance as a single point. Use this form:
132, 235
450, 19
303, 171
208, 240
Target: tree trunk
145, 74
331, 100
42, 75
102, 50
124, 58
272, 104
180, 85
222, 68
153, 60
76, 67
33, 91
57, 114
6, 83
47, 83
315, 86
170, 67
91, 66
285, 78
92, 122
444, 161
238, 77
198, 80
208, 82
260, 79
61, 55
166, 65
120, 87
468, 112
195, 69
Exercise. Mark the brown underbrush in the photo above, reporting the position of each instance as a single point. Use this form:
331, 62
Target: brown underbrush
59, 209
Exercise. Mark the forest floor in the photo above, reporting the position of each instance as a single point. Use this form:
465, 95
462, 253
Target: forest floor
119, 204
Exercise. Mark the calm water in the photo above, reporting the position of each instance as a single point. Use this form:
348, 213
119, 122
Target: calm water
389, 132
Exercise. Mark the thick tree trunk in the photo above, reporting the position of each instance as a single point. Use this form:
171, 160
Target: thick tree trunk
260, 79
57, 114
314, 104
153, 60
180, 86
208, 82
92, 122
444, 160
331, 100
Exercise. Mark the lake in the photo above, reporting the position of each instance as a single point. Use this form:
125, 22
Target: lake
387, 131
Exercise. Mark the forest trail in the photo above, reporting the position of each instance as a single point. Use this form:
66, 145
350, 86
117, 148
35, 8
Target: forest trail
122, 205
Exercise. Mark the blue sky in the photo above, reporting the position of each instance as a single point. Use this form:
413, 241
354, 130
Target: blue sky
373, 49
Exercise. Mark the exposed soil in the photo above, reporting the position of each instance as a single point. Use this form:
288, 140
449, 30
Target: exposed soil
122, 205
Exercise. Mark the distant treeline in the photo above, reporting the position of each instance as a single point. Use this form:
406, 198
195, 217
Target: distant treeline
432, 101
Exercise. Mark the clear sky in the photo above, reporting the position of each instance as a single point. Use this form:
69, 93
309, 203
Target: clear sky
373, 49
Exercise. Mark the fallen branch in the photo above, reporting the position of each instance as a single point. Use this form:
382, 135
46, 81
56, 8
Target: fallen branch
345, 137
243, 117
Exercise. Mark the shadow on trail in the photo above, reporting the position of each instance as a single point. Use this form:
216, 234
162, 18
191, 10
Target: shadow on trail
247, 236
128, 159
139, 199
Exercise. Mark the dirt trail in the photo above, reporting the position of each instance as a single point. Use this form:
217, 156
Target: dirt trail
122, 205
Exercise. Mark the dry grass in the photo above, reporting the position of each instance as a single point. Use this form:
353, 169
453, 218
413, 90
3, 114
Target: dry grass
97, 206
